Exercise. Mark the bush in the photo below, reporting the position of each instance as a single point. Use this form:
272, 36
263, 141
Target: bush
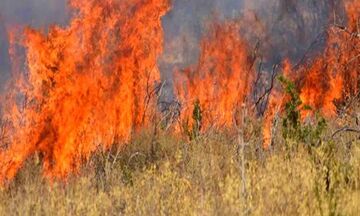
293, 128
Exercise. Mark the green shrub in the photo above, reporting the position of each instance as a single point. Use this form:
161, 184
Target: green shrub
194, 132
294, 130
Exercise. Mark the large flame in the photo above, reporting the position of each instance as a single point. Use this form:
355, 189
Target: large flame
86, 86
335, 74
91, 84
329, 78
220, 81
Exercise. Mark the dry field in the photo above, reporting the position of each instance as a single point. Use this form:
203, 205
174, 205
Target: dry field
217, 173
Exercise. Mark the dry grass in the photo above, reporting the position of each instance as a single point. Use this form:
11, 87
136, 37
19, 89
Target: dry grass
167, 175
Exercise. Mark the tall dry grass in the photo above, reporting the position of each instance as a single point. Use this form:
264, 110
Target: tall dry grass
218, 173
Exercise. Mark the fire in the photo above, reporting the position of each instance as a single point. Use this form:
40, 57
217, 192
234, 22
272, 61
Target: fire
87, 85
329, 78
91, 84
350, 39
274, 107
221, 81
335, 74
320, 90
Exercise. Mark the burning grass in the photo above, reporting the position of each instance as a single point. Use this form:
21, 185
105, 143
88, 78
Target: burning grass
81, 90
209, 175
240, 140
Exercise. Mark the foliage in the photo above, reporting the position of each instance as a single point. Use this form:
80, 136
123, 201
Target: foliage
293, 128
206, 176
196, 122
196, 178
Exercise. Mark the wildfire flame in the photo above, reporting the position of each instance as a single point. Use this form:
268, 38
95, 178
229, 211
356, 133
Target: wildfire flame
87, 85
331, 77
220, 81
91, 84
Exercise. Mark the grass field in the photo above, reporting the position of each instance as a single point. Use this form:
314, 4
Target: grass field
266, 120
217, 173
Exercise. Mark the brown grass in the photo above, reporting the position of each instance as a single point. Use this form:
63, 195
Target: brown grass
212, 175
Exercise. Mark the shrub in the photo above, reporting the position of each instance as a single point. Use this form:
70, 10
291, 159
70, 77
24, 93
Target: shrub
294, 130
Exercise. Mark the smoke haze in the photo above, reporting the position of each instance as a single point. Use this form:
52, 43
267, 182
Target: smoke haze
290, 26
34, 13
282, 28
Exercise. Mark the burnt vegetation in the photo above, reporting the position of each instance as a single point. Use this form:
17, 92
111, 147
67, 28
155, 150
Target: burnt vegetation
255, 127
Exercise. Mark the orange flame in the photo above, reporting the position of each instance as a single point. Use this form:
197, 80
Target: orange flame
335, 74
90, 84
276, 100
220, 81
87, 85
331, 77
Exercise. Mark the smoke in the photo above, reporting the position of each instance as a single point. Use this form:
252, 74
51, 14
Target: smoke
4, 58
292, 26
186, 23
283, 28
34, 13
90, 85
184, 27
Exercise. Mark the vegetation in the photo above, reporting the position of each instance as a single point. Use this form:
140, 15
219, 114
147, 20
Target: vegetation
203, 176
294, 131
311, 170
